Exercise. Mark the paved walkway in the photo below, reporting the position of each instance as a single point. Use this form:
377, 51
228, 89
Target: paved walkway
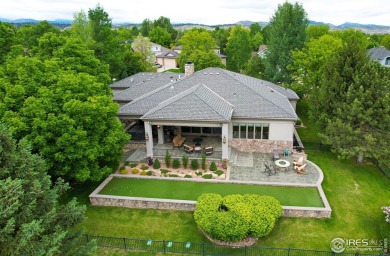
254, 170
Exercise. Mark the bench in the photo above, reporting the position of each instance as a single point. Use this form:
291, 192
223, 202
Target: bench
208, 150
178, 140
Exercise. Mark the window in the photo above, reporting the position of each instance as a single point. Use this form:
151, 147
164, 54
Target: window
242, 130
250, 131
387, 62
265, 131
217, 130
206, 130
258, 131
195, 129
185, 129
236, 131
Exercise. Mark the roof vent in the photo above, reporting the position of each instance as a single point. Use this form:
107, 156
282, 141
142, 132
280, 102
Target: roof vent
205, 73
217, 73
172, 87
235, 94
131, 80
211, 73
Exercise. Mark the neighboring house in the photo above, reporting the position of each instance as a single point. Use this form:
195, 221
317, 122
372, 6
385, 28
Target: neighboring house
262, 52
380, 54
158, 49
246, 113
168, 59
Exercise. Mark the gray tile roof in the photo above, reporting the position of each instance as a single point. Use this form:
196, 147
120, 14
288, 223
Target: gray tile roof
250, 97
134, 79
378, 53
137, 90
168, 55
197, 103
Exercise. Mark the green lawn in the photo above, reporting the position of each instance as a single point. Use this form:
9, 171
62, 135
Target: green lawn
356, 212
187, 190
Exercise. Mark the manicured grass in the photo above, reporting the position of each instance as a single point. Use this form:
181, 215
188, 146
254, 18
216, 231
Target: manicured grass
172, 70
187, 190
356, 212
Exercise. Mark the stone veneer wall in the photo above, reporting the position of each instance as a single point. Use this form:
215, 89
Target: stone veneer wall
263, 146
182, 205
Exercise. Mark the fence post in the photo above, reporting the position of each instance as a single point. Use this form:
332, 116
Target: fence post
245, 250
202, 248
289, 250
124, 243
87, 238
164, 249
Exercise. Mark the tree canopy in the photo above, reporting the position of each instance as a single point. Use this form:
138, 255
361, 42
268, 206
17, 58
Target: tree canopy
62, 104
32, 220
287, 32
352, 106
238, 48
198, 46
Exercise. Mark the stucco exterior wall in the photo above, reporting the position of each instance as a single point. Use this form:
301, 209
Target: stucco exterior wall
281, 130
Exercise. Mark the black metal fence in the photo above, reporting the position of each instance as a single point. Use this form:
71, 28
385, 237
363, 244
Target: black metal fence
184, 248
385, 169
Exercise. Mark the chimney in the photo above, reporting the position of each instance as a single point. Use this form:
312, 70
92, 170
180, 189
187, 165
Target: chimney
189, 68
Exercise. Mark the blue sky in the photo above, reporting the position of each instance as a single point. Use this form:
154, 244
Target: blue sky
209, 12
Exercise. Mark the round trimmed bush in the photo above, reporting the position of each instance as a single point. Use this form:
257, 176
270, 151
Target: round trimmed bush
176, 163
235, 217
194, 164
124, 171
156, 164
213, 166
134, 171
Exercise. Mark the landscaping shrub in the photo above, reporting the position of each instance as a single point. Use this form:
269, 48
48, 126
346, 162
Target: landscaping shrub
213, 166
156, 164
173, 175
236, 217
133, 165
207, 176
150, 173
203, 162
219, 172
127, 163
122, 168
164, 171
184, 160
144, 167
167, 159
198, 173
386, 211
176, 163
194, 164
134, 171
124, 171
187, 176
143, 172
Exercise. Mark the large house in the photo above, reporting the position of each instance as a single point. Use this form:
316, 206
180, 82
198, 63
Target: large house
380, 54
243, 112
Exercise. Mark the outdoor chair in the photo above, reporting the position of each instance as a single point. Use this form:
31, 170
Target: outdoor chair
276, 155
188, 149
208, 150
300, 169
269, 170
299, 162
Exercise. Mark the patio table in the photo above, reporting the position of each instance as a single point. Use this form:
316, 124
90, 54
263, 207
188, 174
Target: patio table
197, 149
282, 163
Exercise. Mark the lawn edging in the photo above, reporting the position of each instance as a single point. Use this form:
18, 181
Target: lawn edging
97, 199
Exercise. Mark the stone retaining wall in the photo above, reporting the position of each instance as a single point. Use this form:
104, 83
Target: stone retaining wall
262, 146
183, 205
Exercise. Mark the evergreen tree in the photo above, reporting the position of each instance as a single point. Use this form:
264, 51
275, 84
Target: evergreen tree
352, 107
32, 221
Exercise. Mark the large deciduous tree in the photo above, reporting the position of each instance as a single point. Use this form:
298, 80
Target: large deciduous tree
238, 48
352, 107
198, 46
63, 106
32, 220
287, 32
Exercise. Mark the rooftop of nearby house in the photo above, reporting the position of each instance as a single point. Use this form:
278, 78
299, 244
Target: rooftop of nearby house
210, 94
134, 79
169, 55
378, 53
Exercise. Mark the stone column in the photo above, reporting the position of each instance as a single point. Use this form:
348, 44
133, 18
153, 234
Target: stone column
148, 139
160, 133
225, 141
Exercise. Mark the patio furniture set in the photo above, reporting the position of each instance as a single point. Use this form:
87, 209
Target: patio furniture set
270, 169
196, 148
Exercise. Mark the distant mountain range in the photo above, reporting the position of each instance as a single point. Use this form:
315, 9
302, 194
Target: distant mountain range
367, 28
